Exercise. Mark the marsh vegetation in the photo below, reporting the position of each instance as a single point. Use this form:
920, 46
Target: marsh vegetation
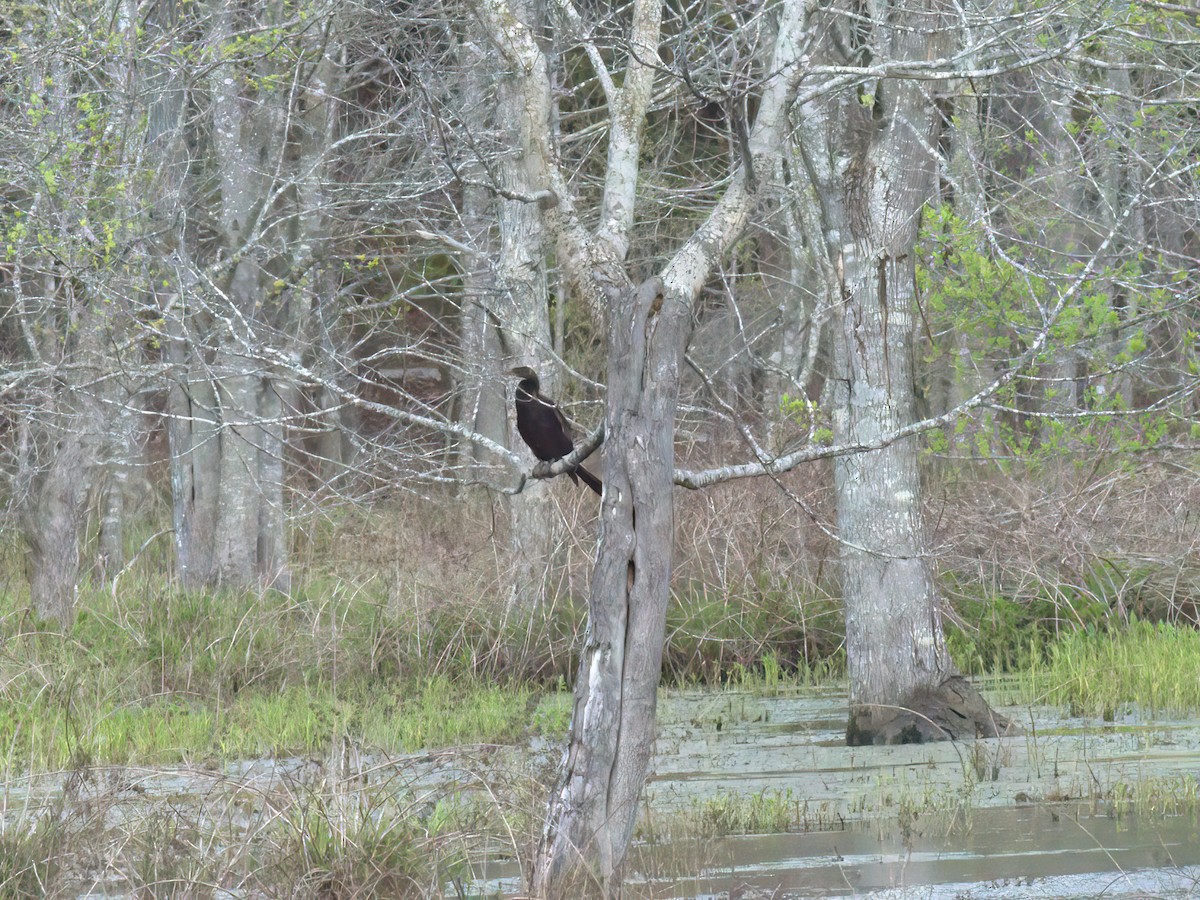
390, 733
879, 322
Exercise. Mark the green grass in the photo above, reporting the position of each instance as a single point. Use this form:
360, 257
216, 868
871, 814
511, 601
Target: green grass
372, 846
152, 674
1067, 647
751, 630
989, 633
767, 811
437, 712
340, 837
1153, 796
1100, 672
165, 676
156, 674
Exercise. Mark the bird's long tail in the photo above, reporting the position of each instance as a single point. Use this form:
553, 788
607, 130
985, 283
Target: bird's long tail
590, 480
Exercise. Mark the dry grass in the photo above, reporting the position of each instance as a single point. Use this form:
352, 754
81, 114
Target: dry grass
1030, 556
343, 826
418, 599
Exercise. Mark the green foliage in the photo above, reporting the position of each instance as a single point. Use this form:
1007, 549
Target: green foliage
982, 312
766, 812
995, 634
965, 287
1150, 667
762, 812
809, 416
552, 716
752, 636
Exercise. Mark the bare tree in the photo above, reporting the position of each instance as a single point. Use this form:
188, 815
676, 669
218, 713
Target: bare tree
875, 169
71, 208
594, 806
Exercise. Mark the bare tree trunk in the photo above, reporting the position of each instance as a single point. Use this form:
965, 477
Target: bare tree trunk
192, 434
594, 806
225, 404
238, 489
119, 391
54, 529
523, 118
58, 297
122, 443
801, 329
484, 401
60, 440
894, 643
335, 448
903, 686
65, 450
314, 299
593, 810
191, 409
484, 376
271, 563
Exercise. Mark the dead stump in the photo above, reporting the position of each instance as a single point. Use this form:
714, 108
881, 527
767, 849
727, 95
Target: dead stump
952, 711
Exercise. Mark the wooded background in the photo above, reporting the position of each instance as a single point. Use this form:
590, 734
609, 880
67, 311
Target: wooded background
266, 259
283, 253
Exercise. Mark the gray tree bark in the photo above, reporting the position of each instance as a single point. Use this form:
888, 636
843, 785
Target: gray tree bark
228, 336
120, 454
484, 399
594, 806
54, 525
64, 438
522, 307
903, 686
593, 811
310, 306
192, 435
58, 302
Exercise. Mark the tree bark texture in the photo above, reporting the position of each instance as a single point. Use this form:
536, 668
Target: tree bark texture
192, 434
595, 805
63, 443
54, 529
903, 686
114, 489
324, 337
522, 303
230, 516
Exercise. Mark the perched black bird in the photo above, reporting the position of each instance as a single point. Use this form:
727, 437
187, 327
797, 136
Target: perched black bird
544, 428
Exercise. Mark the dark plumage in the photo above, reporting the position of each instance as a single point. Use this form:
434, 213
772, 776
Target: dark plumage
544, 428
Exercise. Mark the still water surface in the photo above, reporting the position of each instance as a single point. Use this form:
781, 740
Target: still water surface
1070, 808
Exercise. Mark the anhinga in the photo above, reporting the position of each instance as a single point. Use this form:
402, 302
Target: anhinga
544, 428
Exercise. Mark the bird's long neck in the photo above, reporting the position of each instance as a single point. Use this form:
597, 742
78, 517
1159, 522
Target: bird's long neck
527, 391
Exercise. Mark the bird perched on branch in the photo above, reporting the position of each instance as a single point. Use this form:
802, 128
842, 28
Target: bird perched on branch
544, 428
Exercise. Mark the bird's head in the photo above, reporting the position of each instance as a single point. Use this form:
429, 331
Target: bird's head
528, 377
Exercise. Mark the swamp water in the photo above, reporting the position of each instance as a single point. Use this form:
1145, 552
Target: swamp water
1070, 808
